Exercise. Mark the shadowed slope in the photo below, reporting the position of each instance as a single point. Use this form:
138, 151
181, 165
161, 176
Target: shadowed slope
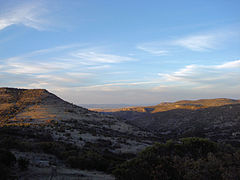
218, 119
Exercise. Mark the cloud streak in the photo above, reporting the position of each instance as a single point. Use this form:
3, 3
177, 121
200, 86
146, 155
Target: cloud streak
199, 43
29, 14
232, 64
90, 56
58, 67
215, 76
153, 50
190, 77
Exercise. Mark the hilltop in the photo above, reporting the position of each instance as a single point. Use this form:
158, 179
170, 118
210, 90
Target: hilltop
33, 106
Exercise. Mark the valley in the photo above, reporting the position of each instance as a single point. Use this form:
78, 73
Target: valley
216, 119
47, 133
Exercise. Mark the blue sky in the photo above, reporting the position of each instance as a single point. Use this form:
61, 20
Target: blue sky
136, 52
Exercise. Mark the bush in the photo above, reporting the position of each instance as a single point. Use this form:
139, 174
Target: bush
7, 158
23, 163
88, 160
189, 158
5, 171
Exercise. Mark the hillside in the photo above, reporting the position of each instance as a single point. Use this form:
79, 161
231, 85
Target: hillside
39, 107
36, 123
45, 132
217, 119
32, 106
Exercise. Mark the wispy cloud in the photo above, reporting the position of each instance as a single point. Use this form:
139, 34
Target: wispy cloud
58, 67
78, 67
190, 77
27, 13
90, 56
61, 58
215, 76
153, 50
41, 52
196, 42
231, 64
99, 67
191, 81
16, 67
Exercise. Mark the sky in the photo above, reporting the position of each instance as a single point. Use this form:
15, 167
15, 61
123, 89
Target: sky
122, 52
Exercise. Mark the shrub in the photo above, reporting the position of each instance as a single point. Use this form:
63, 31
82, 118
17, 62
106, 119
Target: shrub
7, 158
23, 163
189, 158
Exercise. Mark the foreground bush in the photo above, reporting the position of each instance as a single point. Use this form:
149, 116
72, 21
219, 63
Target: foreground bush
23, 163
187, 159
